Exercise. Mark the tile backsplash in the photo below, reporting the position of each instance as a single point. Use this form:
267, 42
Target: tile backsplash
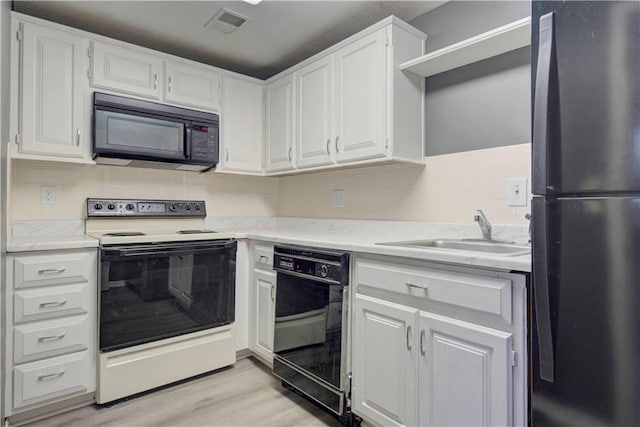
448, 189
226, 195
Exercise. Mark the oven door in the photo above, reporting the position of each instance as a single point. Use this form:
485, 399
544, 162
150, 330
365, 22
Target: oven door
310, 336
155, 291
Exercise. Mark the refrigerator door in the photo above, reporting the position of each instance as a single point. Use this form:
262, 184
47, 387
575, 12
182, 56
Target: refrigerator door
586, 97
585, 340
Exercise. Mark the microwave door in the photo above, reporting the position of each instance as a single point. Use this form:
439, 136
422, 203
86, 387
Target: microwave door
140, 136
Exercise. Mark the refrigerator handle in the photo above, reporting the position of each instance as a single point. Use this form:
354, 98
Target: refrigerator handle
541, 290
541, 105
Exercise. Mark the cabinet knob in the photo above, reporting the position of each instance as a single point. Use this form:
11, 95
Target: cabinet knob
408, 339
422, 336
290, 148
328, 144
337, 148
77, 137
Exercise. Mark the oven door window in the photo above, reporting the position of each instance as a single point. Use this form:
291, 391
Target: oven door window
308, 326
151, 292
139, 135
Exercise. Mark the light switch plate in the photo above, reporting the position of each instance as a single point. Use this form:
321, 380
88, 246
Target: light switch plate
517, 191
338, 198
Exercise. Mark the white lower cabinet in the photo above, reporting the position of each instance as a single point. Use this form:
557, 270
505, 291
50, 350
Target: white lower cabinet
384, 358
51, 340
265, 288
465, 373
417, 361
263, 300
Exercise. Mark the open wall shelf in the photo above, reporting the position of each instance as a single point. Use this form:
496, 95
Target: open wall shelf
503, 39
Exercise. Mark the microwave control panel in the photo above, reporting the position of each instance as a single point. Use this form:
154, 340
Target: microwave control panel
117, 208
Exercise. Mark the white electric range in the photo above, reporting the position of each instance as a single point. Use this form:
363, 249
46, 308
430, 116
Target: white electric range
167, 294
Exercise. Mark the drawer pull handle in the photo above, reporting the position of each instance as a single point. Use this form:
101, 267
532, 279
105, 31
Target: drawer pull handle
264, 257
408, 334
422, 336
52, 304
413, 285
51, 270
50, 376
52, 338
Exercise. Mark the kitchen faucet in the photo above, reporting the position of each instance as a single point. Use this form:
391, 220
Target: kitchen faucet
484, 224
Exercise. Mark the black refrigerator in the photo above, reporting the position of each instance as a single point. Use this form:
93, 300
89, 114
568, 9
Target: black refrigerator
585, 317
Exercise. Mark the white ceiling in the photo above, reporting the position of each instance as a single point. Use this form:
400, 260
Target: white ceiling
280, 34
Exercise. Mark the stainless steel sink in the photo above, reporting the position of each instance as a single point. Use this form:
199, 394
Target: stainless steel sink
475, 245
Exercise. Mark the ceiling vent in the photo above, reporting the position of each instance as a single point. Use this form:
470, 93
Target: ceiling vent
227, 21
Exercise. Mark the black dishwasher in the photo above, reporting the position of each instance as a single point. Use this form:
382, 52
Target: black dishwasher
310, 334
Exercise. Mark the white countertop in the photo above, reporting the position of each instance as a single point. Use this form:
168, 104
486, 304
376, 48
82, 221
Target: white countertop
354, 236
48, 243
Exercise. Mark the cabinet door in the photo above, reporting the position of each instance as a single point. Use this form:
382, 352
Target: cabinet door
192, 86
265, 288
125, 70
54, 85
315, 110
465, 373
241, 123
280, 124
360, 98
384, 362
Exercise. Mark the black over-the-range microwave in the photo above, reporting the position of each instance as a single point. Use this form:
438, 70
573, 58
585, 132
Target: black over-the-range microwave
140, 133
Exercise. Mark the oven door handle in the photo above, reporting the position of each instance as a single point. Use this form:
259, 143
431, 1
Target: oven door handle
150, 252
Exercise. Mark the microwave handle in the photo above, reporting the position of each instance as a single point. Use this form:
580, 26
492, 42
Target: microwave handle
187, 143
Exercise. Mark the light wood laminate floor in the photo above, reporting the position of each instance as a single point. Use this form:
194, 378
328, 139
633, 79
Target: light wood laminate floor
246, 394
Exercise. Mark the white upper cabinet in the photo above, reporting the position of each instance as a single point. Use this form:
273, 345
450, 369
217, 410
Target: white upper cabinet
360, 98
354, 105
191, 86
241, 125
126, 70
314, 115
52, 74
280, 124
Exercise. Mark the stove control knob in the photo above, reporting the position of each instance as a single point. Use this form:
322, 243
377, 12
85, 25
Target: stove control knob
197, 207
324, 270
130, 206
172, 207
111, 206
187, 207
97, 206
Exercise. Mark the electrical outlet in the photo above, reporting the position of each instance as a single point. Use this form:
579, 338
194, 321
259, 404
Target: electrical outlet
338, 198
48, 195
517, 191
265, 198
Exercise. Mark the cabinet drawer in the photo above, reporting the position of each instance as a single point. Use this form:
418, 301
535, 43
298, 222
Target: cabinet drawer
487, 294
263, 255
48, 269
53, 378
53, 301
39, 340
